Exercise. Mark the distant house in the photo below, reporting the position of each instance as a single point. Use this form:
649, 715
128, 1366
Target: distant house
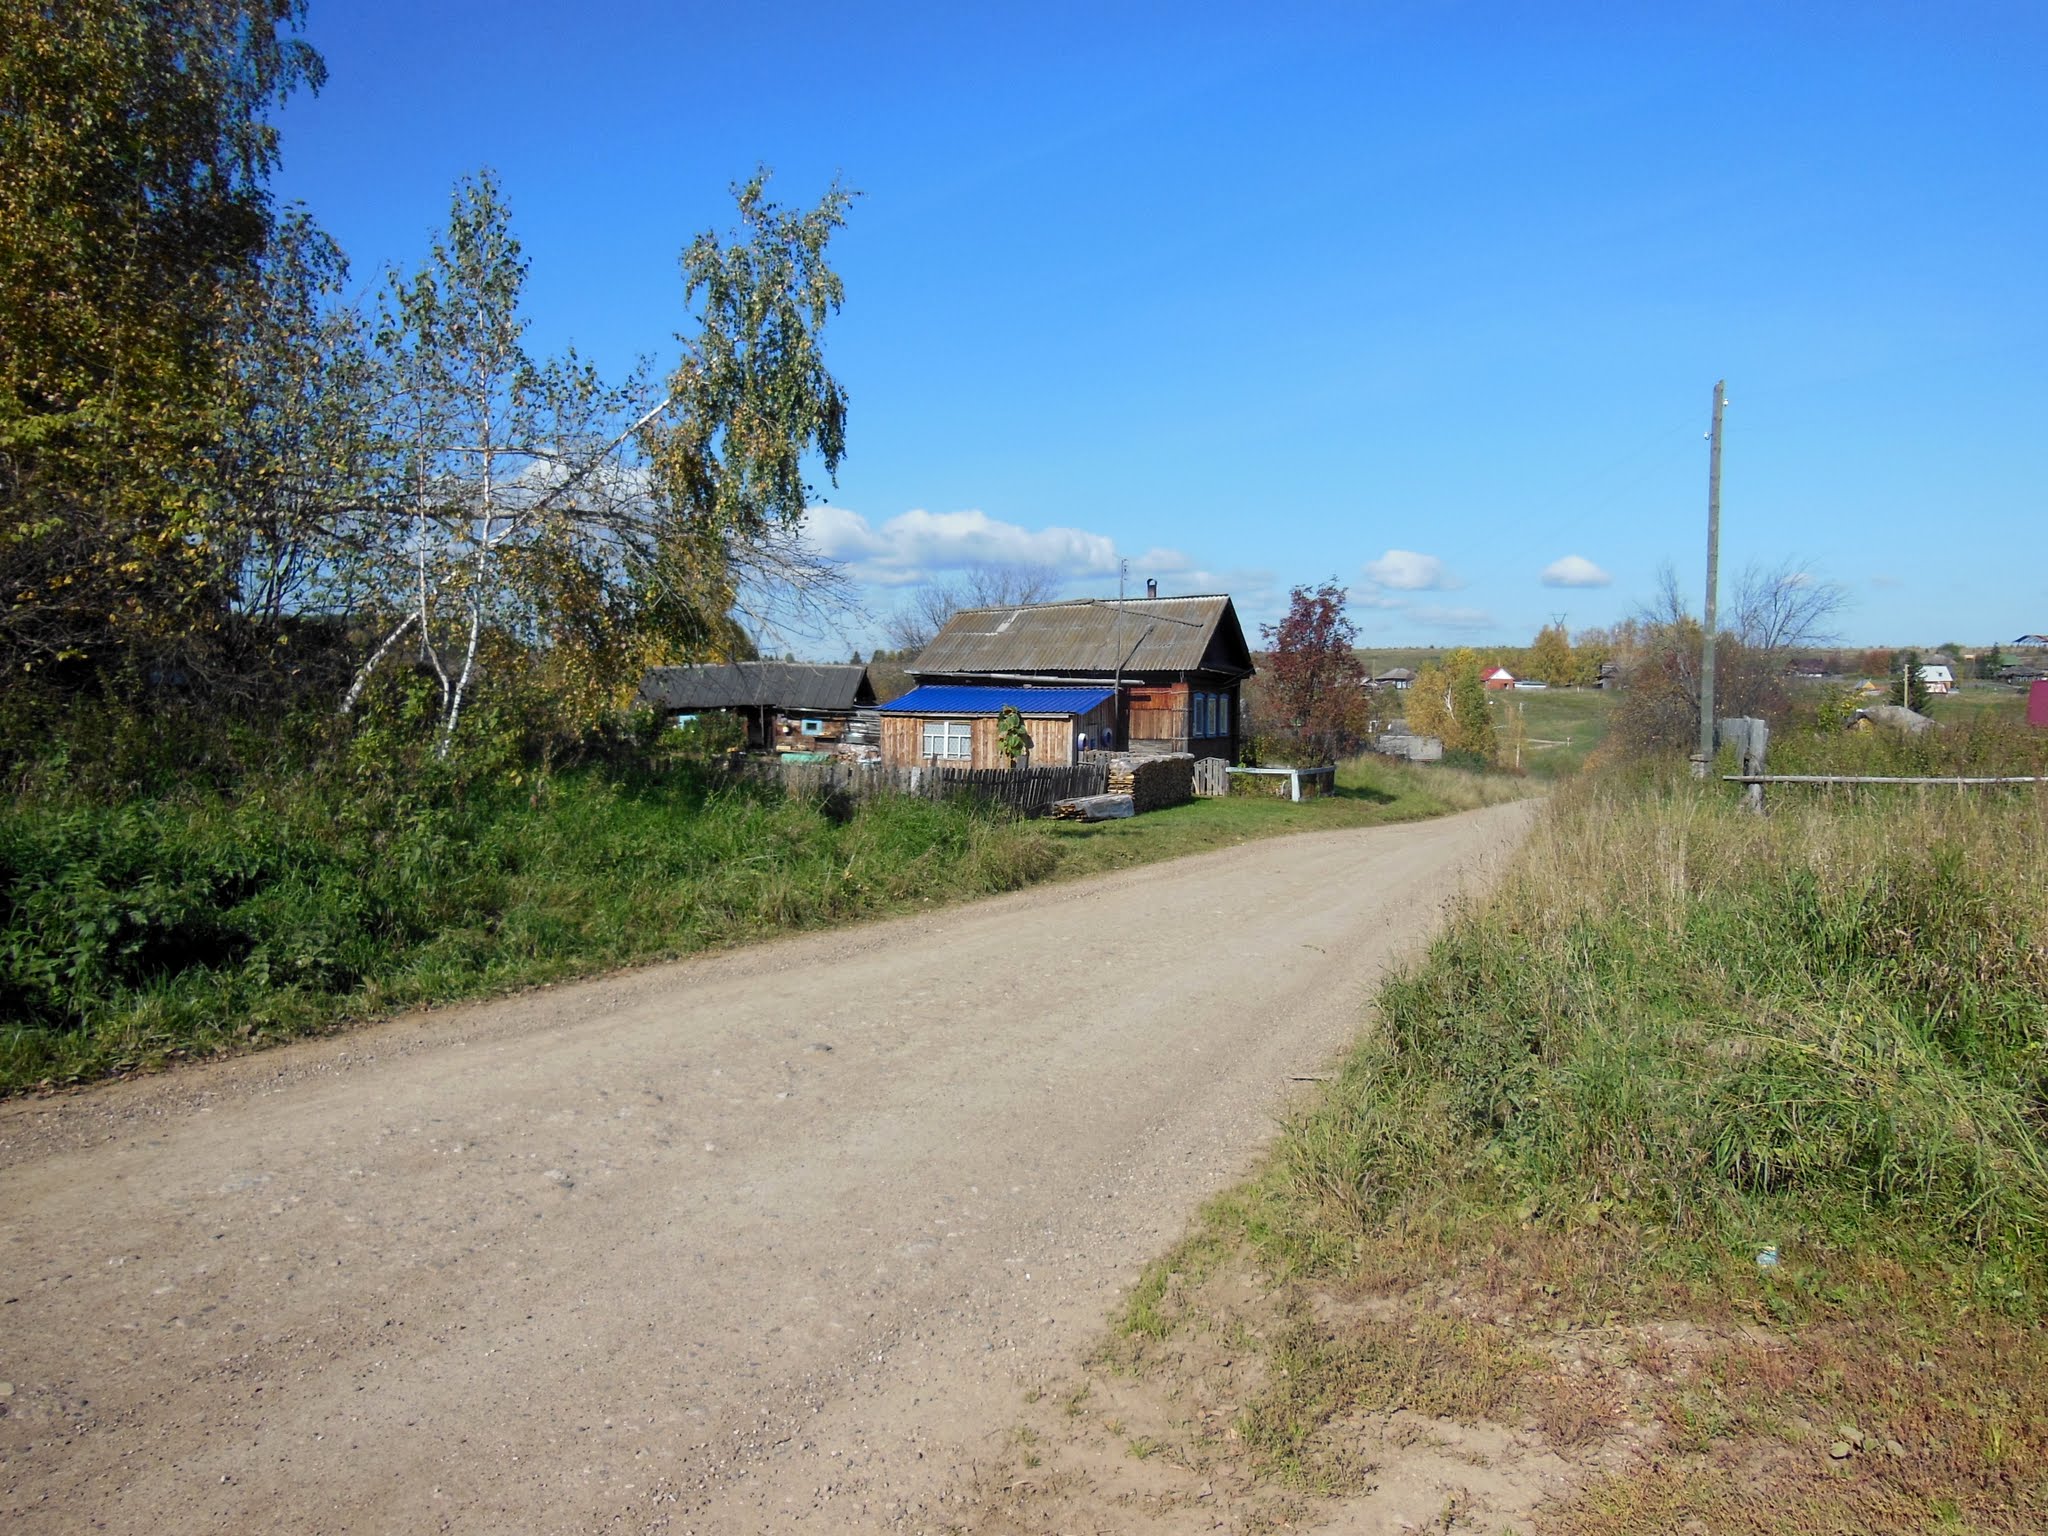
1398, 678
1497, 678
786, 706
1174, 667
1811, 667
1610, 675
949, 725
1870, 689
1938, 679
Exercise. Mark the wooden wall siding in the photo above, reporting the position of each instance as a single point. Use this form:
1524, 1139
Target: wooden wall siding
1052, 738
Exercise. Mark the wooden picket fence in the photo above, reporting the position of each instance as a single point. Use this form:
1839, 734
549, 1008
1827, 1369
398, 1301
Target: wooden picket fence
1022, 791
1212, 777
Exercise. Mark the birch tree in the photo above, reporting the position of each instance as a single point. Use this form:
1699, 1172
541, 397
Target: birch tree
582, 528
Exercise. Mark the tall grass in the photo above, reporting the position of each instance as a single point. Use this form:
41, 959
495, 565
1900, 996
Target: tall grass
1827, 1029
199, 920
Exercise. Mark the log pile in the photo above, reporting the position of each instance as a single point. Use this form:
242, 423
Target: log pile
1092, 808
1153, 783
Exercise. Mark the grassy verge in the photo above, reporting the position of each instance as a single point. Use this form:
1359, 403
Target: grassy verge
1370, 792
1716, 1148
192, 922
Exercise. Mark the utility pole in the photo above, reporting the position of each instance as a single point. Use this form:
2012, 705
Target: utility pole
1704, 759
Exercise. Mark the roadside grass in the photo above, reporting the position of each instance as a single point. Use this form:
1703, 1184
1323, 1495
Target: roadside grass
194, 921
1371, 791
195, 924
1712, 1145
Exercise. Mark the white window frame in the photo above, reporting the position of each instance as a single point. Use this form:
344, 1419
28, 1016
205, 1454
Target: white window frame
812, 727
950, 741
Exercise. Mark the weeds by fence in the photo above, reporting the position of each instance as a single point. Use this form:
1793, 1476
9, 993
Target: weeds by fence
1024, 791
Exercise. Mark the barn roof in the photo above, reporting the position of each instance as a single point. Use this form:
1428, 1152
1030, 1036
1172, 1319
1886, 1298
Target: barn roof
1094, 637
788, 685
944, 699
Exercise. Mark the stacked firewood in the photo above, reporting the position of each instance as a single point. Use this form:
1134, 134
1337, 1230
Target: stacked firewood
1153, 783
1092, 808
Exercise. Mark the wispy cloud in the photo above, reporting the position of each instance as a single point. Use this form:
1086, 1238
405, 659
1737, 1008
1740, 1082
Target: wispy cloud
1574, 571
916, 546
1406, 570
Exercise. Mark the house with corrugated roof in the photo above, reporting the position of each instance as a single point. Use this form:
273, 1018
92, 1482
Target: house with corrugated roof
787, 706
1147, 674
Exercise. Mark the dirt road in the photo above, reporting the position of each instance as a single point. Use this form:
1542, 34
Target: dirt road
760, 1241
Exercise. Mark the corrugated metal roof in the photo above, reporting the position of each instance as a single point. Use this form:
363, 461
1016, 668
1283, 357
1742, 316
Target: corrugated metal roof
1147, 634
948, 699
787, 685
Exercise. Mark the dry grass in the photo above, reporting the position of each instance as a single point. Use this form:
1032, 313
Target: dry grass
1677, 1035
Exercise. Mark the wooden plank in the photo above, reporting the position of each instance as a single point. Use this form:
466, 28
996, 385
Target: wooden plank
1853, 778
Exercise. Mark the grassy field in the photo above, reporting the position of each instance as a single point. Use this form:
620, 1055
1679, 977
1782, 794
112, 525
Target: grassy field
1711, 1146
1370, 792
1563, 726
193, 922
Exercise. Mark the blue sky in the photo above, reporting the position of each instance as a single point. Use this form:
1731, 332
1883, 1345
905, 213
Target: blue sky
1429, 297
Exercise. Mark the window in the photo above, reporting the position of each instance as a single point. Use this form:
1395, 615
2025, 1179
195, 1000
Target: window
1201, 714
1220, 718
812, 727
949, 738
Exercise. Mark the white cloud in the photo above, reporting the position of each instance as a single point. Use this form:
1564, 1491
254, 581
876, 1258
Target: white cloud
914, 546
1406, 571
1574, 571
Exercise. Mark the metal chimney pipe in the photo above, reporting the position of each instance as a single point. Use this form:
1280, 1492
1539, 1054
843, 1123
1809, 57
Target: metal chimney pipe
1151, 587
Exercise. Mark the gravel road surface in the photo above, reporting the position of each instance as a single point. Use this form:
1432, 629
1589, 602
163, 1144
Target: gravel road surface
764, 1240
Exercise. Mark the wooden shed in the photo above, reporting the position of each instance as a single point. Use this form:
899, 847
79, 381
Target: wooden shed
955, 726
787, 706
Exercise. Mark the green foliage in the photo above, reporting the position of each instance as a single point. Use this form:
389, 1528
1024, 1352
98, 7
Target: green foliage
1550, 658
1012, 739
134, 150
194, 921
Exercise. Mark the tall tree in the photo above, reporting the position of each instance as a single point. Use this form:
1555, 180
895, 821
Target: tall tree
1786, 606
1448, 700
569, 527
136, 146
1550, 657
1316, 683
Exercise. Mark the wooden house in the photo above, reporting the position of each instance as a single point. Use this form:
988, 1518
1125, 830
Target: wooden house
786, 706
953, 725
1173, 665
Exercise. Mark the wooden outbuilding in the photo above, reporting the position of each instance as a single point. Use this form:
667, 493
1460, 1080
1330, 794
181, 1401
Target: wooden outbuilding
788, 706
954, 726
1174, 665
